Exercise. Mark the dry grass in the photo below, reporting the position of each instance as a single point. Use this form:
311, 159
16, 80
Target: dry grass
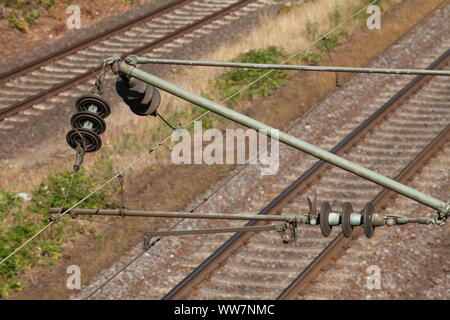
287, 31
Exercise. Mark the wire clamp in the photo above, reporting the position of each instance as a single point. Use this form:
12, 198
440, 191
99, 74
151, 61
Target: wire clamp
132, 60
292, 236
147, 238
441, 219
79, 157
55, 218
111, 60
442, 215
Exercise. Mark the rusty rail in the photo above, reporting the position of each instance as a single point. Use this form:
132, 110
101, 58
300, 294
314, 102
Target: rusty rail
79, 45
62, 86
379, 202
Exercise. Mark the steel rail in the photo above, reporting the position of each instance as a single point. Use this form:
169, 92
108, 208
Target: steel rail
143, 60
314, 172
85, 42
62, 86
281, 136
379, 202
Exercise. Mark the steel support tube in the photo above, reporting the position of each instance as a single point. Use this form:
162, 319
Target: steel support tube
165, 214
213, 231
142, 60
299, 144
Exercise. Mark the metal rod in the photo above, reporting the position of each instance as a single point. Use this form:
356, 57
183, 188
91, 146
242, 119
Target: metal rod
142, 60
215, 230
299, 144
165, 214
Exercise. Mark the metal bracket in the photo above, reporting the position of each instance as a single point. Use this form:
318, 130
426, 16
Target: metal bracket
291, 235
443, 215
111, 60
280, 228
132, 60
147, 238
396, 219
312, 214
275, 227
55, 218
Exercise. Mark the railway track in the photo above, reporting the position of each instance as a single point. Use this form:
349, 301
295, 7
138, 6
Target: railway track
395, 140
326, 125
153, 35
380, 202
416, 250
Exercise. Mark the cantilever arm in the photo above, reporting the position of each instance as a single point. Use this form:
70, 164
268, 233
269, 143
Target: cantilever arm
131, 70
142, 60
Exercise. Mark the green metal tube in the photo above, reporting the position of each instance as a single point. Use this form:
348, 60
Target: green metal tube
285, 138
213, 231
142, 60
188, 215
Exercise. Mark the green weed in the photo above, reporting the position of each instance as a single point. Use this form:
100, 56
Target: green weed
46, 4
29, 217
335, 17
311, 57
31, 18
232, 81
311, 30
22, 14
332, 40
286, 9
15, 22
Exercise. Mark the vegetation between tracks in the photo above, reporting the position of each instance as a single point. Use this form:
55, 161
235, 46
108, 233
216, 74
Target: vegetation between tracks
27, 214
25, 14
25, 23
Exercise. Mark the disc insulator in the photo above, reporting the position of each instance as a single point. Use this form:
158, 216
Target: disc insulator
87, 101
142, 98
131, 90
369, 228
347, 211
79, 120
324, 216
150, 107
92, 141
